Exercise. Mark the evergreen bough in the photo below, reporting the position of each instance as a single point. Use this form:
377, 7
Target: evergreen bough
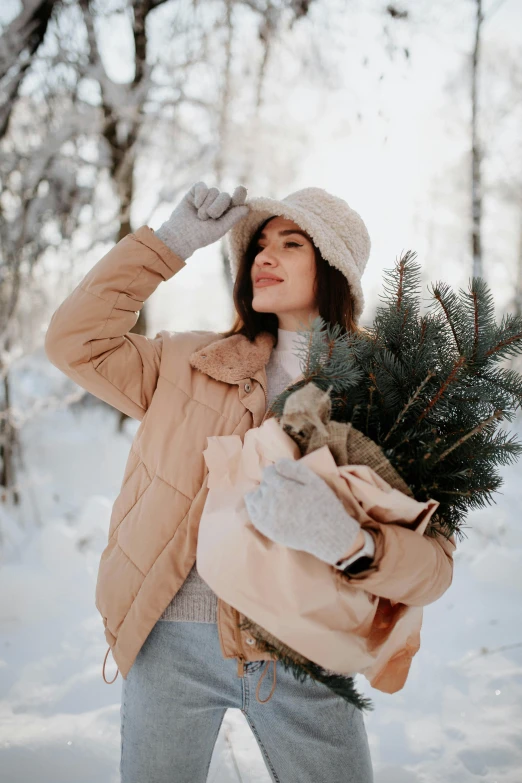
428, 389
431, 392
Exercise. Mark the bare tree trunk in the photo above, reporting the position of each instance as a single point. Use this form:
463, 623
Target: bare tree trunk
518, 282
476, 152
121, 137
267, 28
8, 441
225, 96
22, 37
21, 244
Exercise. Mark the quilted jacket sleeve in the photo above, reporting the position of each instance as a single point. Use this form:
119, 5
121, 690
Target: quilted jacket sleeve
407, 567
89, 336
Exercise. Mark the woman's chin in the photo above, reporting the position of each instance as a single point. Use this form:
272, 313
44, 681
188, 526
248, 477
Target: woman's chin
263, 306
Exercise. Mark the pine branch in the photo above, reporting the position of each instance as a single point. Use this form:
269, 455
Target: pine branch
302, 668
409, 403
464, 438
444, 387
425, 388
448, 302
503, 344
476, 326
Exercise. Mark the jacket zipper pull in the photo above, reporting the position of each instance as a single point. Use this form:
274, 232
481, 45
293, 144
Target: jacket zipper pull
240, 665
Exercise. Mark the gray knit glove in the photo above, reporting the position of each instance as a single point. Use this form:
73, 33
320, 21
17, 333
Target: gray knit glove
202, 217
294, 506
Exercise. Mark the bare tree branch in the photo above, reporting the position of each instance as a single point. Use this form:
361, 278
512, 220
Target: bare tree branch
18, 43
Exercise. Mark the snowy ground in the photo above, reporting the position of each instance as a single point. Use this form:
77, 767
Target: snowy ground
457, 720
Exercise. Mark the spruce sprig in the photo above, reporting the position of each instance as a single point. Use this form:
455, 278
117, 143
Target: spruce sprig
303, 669
428, 388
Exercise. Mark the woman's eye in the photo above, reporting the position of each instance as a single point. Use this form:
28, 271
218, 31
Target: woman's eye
259, 248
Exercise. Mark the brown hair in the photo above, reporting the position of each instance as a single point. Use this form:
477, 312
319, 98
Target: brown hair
332, 291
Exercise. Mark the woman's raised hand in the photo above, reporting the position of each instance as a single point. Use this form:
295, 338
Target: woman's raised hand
202, 217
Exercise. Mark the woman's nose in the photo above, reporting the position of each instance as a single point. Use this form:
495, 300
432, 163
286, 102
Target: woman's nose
263, 257
269, 265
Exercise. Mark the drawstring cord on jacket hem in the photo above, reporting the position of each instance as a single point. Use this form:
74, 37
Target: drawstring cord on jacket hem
109, 682
264, 701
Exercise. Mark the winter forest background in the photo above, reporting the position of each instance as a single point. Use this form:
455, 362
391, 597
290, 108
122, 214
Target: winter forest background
109, 112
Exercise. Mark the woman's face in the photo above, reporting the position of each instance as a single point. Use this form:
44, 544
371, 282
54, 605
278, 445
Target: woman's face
286, 252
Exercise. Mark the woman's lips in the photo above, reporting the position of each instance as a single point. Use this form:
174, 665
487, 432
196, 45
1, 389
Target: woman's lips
264, 283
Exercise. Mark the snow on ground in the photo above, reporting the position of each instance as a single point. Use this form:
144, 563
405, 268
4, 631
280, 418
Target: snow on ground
457, 720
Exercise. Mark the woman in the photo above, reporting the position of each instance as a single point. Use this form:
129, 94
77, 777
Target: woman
182, 656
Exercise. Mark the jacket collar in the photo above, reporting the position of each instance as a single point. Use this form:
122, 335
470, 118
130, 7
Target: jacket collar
231, 359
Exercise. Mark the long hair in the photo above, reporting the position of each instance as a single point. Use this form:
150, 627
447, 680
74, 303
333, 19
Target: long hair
332, 295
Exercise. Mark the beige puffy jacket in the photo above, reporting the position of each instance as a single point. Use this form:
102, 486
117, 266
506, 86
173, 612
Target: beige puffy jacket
183, 387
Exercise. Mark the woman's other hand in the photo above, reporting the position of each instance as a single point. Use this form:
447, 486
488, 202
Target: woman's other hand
294, 507
203, 216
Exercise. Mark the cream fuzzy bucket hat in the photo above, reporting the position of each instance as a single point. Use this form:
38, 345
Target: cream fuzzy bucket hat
336, 229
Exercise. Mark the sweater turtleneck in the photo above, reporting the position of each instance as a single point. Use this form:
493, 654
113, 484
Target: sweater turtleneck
283, 365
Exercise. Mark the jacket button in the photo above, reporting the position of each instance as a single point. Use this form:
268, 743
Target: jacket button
250, 640
248, 387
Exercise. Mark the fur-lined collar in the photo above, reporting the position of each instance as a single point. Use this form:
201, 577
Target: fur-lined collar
231, 359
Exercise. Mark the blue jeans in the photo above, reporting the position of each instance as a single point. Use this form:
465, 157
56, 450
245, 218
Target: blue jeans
175, 697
